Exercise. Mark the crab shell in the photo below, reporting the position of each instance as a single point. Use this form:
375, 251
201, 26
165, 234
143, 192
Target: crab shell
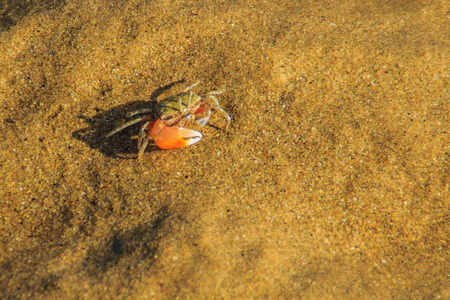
180, 109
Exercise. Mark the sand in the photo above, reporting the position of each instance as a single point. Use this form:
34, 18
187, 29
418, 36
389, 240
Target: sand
332, 182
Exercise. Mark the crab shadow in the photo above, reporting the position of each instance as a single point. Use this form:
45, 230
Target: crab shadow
120, 145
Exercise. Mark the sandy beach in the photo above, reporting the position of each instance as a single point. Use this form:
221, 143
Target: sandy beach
333, 180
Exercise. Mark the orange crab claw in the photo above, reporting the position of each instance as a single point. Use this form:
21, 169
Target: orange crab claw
174, 136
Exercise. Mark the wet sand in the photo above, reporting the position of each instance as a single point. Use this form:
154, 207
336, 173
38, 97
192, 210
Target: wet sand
332, 182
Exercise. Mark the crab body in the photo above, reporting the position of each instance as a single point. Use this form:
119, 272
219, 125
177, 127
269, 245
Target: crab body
165, 123
173, 109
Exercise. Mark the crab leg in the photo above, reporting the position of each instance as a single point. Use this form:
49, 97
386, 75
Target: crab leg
129, 123
140, 111
173, 136
190, 87
203, 120
142, 146
216, 106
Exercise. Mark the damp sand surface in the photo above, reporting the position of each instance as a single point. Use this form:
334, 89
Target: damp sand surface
332, 181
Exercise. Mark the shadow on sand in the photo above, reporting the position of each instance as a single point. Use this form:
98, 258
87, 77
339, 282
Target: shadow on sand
120, 145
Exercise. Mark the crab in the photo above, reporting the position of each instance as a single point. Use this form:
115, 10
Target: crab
165, 123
